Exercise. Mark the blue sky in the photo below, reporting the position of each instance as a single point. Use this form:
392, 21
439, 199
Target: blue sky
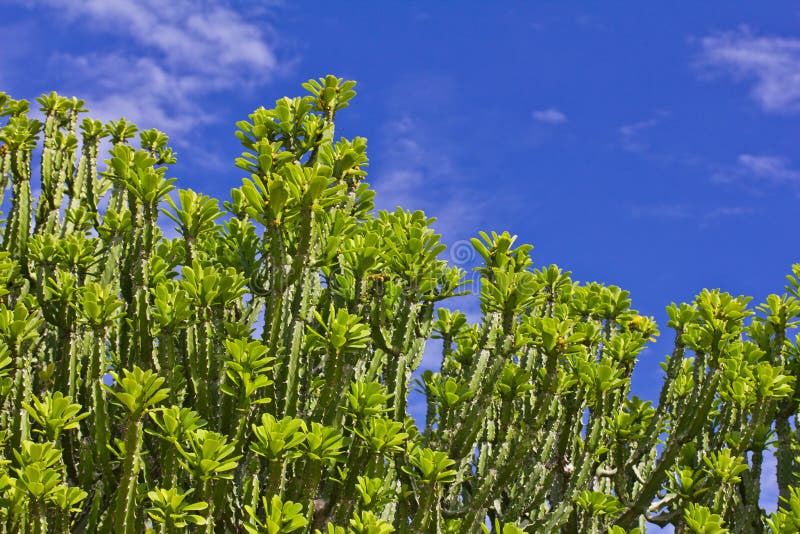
652, 146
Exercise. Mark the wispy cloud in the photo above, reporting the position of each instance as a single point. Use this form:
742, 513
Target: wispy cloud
550, 116
759, 173
689, 214
163, 59
734, 211
417, 170
771, 63
410, 163
632, 135
774, 169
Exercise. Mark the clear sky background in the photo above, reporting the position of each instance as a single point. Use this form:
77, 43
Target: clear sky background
648, 145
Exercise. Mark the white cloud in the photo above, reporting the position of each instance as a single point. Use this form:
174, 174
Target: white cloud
630, 130
417, 172
201, 37
759, 174
162, 59
776, 170
550, 116
772, 63
631, 135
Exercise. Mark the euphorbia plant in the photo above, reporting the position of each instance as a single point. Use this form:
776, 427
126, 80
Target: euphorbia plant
252, 373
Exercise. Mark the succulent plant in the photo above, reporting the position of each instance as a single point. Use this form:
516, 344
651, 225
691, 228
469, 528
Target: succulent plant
253, 373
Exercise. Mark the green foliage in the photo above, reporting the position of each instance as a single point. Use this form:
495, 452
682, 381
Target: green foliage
279, 517
171, 509
253, 372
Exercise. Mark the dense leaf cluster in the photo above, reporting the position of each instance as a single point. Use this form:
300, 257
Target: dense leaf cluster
249, 368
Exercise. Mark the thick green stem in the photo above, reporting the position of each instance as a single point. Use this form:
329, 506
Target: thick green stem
100, 424
38, 516
125, 506
785, 456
